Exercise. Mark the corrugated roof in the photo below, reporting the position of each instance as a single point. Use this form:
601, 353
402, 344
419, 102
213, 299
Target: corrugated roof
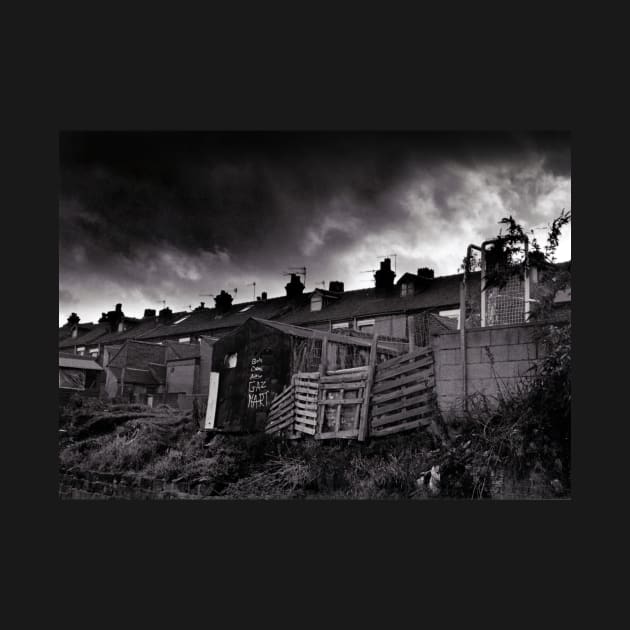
78, 362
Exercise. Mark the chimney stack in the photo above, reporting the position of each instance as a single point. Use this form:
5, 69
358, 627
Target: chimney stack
74, 319
165, 315
223, 302
334, 286
426, 272
149, 312
295, 288
384, 277
263, 296
114, 318
201, 307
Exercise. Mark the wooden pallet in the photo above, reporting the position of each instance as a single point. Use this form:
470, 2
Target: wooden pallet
306, 386
341, 397
281, 411
403, 396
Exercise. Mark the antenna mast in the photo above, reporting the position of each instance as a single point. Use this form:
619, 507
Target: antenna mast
390, 256
301, 270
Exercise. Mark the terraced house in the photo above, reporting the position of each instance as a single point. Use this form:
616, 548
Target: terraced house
170, 353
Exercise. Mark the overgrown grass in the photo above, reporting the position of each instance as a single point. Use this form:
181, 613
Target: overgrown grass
524, 431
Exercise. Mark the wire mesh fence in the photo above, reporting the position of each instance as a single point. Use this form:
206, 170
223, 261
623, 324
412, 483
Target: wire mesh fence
506, 305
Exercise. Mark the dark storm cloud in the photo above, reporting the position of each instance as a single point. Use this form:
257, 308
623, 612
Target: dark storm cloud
157, 214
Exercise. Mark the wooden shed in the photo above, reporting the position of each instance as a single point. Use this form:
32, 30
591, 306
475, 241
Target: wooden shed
254, 364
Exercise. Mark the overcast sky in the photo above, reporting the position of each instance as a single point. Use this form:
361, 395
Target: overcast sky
146, 217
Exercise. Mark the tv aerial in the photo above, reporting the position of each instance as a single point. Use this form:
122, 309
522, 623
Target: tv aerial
298, 270
390, 256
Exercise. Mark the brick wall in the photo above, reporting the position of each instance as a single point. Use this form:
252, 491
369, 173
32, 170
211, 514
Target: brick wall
497, 357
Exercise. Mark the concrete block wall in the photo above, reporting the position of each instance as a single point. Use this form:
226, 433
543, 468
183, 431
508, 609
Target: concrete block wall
497, 358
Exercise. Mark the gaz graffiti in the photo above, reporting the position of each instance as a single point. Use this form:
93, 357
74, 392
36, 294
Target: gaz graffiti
257, 390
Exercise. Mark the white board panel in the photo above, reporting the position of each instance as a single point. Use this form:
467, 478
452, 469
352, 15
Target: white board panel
211, 409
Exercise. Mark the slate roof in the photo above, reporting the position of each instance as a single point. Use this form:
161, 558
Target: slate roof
438, 324
142, 326
139, 377
65, 331
208, 319
176, 351
440, 293
90, 337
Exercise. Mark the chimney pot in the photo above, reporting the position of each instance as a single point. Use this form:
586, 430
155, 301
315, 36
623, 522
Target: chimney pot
263, 296
426, 272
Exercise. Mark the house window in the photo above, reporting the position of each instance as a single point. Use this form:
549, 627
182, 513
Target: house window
341, 325
94, 353
406, 288
230, 360
184, 340
316, 303
365, 325
81, 350
121, 327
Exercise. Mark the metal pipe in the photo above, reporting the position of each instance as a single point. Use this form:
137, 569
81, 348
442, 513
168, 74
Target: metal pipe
462, 323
